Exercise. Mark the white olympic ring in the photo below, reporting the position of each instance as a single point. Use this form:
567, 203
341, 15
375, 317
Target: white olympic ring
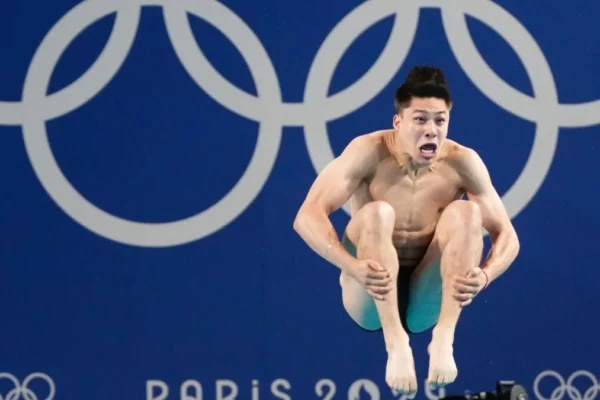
267, 108
567, 387
23, 390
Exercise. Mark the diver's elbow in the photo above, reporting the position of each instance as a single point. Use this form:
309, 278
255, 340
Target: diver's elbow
300, 221
516, 243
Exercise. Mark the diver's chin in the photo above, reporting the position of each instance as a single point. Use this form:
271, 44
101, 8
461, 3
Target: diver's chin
418, 162
425, 159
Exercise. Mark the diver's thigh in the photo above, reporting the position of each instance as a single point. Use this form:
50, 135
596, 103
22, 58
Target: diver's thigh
424, 298
359, 305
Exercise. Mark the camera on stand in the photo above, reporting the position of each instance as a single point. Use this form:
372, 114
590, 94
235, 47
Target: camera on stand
505, 390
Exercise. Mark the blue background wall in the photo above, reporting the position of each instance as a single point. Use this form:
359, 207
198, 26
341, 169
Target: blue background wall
109, 310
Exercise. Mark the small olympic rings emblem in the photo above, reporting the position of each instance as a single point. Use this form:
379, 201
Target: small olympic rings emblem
23, 391
567, 387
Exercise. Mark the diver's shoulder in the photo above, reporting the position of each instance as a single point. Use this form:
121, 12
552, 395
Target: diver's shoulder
455, 151
376, 142
459, 155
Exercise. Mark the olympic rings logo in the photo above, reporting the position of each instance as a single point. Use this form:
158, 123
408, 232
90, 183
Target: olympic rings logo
567, 387
317, 108
23, 391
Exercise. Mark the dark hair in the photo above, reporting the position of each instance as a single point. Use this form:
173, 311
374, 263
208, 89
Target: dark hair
422, 81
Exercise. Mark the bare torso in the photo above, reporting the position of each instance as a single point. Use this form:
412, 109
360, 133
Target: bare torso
418, 201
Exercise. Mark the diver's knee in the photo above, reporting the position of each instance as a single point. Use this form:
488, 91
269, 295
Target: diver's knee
466, 213
378, 216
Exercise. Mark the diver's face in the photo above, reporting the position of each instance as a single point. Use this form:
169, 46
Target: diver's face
422, 128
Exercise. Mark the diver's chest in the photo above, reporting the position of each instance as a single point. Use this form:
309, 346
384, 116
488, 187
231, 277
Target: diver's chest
433, 187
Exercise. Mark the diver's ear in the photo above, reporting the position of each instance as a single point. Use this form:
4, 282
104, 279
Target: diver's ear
397, 120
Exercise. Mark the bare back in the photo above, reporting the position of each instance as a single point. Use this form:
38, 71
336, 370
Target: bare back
418, 201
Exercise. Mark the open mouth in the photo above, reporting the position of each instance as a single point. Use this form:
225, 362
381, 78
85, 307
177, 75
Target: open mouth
428, 150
